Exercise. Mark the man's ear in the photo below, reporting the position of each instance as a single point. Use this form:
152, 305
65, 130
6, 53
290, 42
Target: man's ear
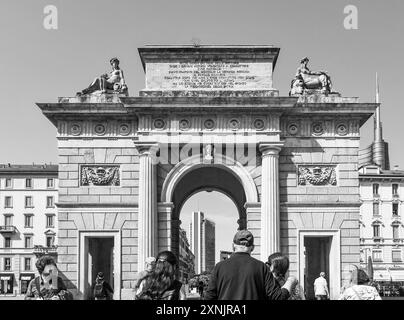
252, 248
232, 246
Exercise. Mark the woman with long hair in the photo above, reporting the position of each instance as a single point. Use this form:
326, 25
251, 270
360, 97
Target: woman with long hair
162, 284
279, 266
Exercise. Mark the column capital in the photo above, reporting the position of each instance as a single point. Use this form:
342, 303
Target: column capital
271, 148
165, 205
147, 148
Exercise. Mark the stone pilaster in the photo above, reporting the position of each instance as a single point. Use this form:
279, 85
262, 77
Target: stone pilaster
270, 216
175, 236
147, 217
164, 211
253, 224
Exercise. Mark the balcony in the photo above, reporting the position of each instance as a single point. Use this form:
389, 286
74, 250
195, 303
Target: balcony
41, 250
8, 229
377, 239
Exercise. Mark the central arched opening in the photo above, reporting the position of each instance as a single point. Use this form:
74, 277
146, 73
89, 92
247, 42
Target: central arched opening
217, 192
220, 216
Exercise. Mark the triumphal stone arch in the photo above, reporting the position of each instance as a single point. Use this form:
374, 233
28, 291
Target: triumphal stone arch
209, 118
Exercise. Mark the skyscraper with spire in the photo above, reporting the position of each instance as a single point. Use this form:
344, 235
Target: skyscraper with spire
381, 192
378, 152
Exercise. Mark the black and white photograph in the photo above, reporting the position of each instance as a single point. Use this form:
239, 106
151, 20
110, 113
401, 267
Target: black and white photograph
214, 151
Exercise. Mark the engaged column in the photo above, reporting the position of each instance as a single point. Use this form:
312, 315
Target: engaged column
270, 217
147, 210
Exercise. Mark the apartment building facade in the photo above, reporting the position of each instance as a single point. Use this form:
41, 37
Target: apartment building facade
28, 222
381, 223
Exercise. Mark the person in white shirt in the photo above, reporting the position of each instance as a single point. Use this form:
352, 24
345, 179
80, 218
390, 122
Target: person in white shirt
321, 287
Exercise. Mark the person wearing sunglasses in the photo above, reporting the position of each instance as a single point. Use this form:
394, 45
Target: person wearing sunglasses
48, 285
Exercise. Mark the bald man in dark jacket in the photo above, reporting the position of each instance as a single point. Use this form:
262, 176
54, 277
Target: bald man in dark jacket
243, 277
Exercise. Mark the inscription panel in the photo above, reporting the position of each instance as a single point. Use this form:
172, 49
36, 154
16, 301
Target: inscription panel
209, 76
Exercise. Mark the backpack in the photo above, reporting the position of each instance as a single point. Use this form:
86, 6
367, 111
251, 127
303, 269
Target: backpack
99, 290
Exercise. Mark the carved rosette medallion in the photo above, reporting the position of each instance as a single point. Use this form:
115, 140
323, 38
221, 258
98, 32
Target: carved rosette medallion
317, 175
75, 129
99, 176
317, 128
341, 129
234, 124
259, 124
184, 124
209, 124
124, 129
159, 124
293, 128
100, 129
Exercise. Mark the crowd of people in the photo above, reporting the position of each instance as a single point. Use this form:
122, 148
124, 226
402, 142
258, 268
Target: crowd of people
241, 277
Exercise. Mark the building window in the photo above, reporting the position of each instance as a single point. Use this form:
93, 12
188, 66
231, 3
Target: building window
376, 231
28, 220
50, 221
377, 255
49, 202
49, 241
395, 189
395, 209
28, 183
396, 255
375, 190
9, 183
8, 220
7, 264
29, 202
50, 183
8, 202
7, 242
395, 232
28, 241
27, 264
375, 208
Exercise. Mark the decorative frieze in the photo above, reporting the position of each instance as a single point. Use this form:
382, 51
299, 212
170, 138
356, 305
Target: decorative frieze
308, 127
99, 176
317, 175
96, 129
209, 123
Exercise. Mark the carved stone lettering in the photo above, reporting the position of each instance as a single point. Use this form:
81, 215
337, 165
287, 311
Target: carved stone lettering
209, 75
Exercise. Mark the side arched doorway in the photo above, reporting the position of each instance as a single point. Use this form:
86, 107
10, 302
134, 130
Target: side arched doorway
192, 176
